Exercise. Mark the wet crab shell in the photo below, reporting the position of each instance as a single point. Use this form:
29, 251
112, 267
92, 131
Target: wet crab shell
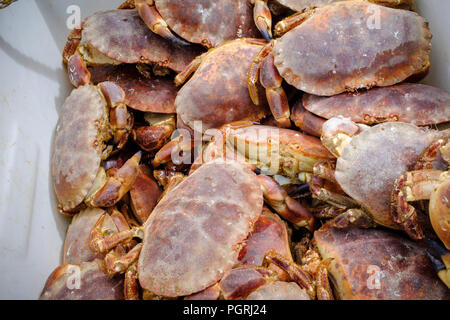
193, 235
337, 49
209, 22
78, 145
217, 93
418, 104
94, 283
374, 159
302, 5
362, 257
122, 36
141, 93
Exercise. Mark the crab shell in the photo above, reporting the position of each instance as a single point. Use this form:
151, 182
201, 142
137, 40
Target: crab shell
76, 245
217, 93
141, 93
94, 283
294, 151
302, 5
193, 236
337, 49
209, 22
122, 36
418, 104
374, 159
78, 145
363, 256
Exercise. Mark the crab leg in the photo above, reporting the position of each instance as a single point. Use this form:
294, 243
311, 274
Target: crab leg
412, 186
73, 40
118, 183
103, 244
131, 287
121, 264
253, 72
307, 121
295, 272
291, 22
152, 18
175, 146
282, 203
263, 18
189, 70
323, 288
271, 80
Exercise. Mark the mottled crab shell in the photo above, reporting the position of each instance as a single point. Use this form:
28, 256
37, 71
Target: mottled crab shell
341, 48
374, 159
194, 234
302, 5
76, 245
141, 93
78, 145
377, 264
279, 290
218, 93
122, 36
93, 283
209, 22
418, 104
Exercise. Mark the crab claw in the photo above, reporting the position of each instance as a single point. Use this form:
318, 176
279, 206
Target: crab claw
263, 18
295, 272
442, 265
79, 74
117, 184
177, 150
155, 22
284, 205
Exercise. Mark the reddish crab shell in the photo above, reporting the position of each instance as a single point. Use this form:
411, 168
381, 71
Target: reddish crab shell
209, 22
122, 36
418, 104
337, 49
377, 264
78, 145
279, 290
141, 93
94, 283
371, 162
217, 93
76, 245
194, 234
302, 5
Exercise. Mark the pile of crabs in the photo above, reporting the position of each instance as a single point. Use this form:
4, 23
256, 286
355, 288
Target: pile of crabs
204, 154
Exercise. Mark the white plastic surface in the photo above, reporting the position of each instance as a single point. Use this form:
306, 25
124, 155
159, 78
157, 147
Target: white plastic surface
33, 86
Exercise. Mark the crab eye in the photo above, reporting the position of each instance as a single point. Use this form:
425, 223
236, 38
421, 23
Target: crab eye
395, 118
366, 118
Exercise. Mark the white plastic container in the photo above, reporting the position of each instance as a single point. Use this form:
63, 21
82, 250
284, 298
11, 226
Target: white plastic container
33, 86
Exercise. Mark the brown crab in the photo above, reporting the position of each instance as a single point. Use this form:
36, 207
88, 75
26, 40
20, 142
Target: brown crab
119, 36
202, 21
370, 159
182, 253
93, 283
377, 264
418, 104
93, 122
217, 93
334, 49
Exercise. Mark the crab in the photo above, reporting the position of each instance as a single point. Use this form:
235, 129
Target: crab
223, 71
377, 264
206, 22
93, 122
93, 283
333, 49
369, 161
286, 154
418, 104
116, 37
202, 228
